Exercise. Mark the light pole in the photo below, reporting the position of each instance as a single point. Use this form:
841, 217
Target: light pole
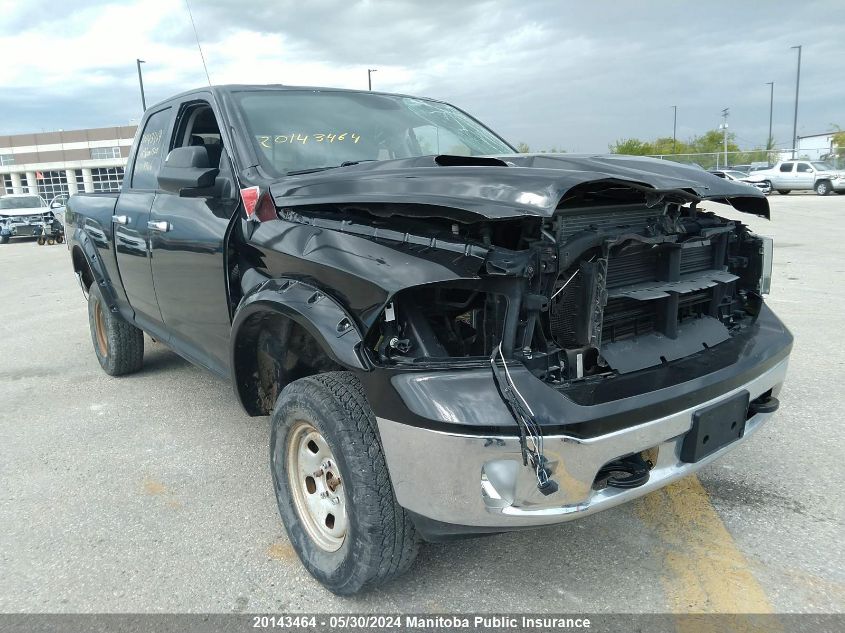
771, 85
141, 83
674, 127
724, 127
370, 72
795, 118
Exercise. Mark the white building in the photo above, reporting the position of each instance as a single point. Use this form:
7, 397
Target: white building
812, 147
69, 162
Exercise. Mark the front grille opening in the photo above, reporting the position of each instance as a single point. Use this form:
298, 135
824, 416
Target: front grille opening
694, 304
694, 260
632, 268
628, 318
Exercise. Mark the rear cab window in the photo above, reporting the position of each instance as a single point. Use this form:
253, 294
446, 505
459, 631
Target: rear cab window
786, 167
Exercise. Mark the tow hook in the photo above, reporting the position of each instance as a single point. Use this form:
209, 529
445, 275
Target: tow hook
764, 404
626, 472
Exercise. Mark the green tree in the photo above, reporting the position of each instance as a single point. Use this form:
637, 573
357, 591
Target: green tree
523, 148
632, 147
838, 142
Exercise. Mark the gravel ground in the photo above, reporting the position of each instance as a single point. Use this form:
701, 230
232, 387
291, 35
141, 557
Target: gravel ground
152, 493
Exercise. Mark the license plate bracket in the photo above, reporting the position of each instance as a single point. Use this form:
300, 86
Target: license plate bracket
715, 426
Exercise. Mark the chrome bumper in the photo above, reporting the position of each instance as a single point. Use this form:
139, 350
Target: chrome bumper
480, 481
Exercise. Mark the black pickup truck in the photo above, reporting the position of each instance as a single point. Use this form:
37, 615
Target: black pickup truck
451, 338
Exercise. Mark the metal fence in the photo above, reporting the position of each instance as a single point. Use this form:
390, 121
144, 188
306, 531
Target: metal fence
755, 158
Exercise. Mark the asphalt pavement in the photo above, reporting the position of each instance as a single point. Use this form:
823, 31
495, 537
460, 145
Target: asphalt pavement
152, 492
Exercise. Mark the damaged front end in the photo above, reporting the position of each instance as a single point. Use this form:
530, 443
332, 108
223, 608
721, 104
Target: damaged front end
617, 280
549, 361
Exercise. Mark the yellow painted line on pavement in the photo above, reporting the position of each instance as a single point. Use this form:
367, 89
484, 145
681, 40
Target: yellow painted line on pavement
703, 569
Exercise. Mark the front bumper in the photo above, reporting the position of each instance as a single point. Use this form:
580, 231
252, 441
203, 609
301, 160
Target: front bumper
477, 483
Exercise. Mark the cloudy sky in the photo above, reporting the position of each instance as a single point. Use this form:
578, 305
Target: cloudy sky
573, 75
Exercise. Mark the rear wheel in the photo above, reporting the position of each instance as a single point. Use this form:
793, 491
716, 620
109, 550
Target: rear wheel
42, 240
783, 192
823, 188
4, 239
118, 344
333, 488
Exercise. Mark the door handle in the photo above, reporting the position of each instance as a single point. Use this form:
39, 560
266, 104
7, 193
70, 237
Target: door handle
120, 219
160, 226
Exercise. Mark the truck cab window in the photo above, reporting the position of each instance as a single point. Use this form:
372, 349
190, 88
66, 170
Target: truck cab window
786, 167
148, 154
804, 167
198, 127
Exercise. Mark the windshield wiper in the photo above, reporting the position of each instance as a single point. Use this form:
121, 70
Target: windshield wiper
346, 163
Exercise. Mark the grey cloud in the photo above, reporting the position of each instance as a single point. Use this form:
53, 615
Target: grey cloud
550, 73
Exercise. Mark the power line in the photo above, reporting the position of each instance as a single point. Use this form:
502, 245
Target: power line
197, 37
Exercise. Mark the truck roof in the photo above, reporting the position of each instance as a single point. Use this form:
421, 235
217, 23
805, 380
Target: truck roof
227, 88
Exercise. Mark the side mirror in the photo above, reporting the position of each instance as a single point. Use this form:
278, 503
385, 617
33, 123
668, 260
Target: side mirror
186, 168
55, 204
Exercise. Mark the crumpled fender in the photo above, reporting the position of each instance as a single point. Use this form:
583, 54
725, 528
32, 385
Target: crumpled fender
321, 316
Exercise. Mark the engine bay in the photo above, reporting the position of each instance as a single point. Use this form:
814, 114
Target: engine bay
595, 290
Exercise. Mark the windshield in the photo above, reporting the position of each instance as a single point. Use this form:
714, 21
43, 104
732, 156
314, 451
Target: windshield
22, 202
295, 130
823, 166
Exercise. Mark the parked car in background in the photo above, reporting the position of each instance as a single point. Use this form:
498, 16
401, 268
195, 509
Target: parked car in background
798, 175
740, 176
28, 215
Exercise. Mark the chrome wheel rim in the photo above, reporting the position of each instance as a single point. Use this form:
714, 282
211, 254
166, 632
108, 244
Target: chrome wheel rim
317, 487
100, 330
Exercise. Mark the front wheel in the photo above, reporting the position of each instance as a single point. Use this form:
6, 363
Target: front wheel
4, 239
823, 188
118, 344
333, 488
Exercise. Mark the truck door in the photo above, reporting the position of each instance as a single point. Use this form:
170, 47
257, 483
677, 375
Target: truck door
784, 178
131, 217
805, 176
187, 241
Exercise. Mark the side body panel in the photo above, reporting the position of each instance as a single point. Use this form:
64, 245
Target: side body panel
132, 252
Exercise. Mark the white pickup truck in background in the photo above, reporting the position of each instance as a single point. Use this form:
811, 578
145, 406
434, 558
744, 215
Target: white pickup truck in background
795, 175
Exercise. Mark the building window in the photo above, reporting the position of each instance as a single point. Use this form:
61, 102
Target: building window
51, 183
7, 184
107, 178
80, 182
7, 159
100, 153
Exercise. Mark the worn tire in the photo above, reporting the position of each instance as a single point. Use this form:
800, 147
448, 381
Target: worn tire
823, 187
380, 542
118, 345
